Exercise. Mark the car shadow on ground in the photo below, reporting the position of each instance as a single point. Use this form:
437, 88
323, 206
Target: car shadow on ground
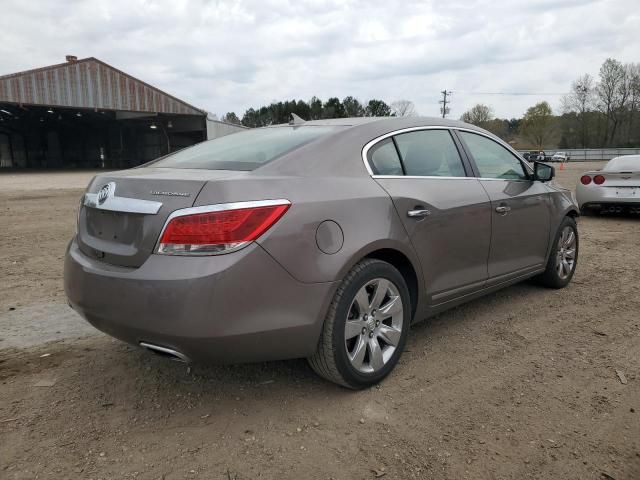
609, 216
109, 364
105, 371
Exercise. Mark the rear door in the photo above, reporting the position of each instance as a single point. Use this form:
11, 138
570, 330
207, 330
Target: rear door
520, 208
446, 212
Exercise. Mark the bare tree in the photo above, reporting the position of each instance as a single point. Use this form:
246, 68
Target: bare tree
479, 114
633, 102
403, 108
612, 93
580, 101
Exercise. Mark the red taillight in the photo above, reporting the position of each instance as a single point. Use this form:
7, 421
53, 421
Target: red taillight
222, 229
585, 179
598, 179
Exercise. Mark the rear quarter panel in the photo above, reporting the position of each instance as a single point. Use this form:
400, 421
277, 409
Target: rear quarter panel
361, 208
561, 204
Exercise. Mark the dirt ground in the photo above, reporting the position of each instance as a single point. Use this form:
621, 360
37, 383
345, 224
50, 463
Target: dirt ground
527, 383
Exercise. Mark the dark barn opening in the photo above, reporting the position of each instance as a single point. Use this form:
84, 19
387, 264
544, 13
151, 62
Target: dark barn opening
87, 114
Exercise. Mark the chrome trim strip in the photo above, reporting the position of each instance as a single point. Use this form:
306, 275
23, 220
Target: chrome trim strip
123, 204
179, 357
218, 207
425, 177
370, 144
105, 199
503, 179
491, 286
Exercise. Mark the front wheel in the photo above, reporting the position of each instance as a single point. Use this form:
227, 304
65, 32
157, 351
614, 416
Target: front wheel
366, 328
564, 256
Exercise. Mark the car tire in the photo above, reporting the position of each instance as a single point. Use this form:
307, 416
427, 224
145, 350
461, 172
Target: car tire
339, 357
563, 258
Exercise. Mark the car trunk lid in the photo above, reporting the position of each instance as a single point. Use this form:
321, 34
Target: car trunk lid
123, 213
620, 179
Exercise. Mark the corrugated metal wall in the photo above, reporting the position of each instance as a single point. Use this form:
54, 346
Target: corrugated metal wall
88, 83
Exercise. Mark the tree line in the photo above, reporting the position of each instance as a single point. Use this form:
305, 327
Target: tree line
602, 112
597, 112
315, 109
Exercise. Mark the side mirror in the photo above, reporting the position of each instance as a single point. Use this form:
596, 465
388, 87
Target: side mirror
543, 172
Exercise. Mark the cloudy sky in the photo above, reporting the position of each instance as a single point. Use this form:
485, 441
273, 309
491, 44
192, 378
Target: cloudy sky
228, 55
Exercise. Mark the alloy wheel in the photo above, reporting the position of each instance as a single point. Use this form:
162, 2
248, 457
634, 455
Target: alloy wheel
566, 253
374, 325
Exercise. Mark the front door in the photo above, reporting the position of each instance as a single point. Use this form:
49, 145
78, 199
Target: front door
520, 215
446, 213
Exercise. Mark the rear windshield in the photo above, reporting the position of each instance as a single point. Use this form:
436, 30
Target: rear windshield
629, 163
244, 150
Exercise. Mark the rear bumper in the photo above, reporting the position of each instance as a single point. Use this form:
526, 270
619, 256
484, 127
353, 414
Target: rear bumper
588, 196
238, 307
612, 207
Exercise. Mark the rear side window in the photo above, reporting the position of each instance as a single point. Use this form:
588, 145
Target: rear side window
430, 153
384, 160
492, 159
245, 150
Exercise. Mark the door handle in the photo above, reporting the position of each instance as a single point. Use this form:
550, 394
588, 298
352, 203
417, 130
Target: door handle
418, 213
503, 209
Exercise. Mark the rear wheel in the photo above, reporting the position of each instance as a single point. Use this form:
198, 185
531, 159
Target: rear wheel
366, 328
564, 256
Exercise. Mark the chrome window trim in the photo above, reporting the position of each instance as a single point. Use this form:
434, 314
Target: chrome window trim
369, 145
423, 177
491, 179
218, 207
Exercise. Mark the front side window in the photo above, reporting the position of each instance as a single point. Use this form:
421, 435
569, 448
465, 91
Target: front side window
244, 150
492, 159
430, 153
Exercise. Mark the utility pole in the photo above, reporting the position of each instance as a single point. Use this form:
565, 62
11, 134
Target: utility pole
444, 109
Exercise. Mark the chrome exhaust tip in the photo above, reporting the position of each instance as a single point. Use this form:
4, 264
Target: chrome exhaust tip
166, 352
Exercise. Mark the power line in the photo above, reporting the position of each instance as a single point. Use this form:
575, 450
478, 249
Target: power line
444, 109
512, 93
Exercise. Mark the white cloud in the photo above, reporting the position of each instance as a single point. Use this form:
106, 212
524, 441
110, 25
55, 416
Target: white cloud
232, 55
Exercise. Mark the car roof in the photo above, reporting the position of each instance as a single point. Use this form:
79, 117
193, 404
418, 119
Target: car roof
340, 153
623, 162
392, 121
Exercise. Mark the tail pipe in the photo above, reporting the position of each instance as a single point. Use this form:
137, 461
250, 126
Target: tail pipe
166, 352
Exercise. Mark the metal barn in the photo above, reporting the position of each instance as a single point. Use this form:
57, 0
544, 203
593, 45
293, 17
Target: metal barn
87, 114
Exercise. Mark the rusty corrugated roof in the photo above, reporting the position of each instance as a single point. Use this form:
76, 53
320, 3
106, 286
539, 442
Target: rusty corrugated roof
89, 83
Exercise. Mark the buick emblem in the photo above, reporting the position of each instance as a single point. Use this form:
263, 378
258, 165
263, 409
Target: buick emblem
105, 192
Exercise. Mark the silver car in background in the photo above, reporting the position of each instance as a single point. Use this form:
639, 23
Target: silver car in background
614, 189
560, 157
324, 239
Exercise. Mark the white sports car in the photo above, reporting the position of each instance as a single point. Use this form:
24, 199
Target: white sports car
614, 189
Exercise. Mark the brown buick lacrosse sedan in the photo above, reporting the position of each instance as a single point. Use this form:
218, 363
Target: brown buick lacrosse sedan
321, 239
